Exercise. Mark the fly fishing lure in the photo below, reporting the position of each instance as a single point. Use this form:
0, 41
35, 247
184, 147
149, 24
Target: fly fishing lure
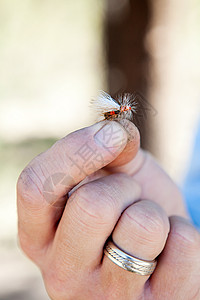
108, 108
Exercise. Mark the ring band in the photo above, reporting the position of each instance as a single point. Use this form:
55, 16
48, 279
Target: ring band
128, 262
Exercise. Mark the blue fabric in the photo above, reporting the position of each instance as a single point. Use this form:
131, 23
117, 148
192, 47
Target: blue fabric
191, 186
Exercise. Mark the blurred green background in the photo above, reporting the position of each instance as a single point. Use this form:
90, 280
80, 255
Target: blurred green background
51, 64
53, 60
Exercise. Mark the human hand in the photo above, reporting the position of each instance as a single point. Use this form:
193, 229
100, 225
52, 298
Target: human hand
125, 198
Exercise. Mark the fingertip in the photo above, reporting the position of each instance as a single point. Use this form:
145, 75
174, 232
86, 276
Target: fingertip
132, 147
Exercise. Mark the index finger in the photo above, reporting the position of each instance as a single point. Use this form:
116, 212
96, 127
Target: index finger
155, 183
43, 185
131, 148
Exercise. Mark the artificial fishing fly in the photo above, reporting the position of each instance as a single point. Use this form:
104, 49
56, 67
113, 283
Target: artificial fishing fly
108, 108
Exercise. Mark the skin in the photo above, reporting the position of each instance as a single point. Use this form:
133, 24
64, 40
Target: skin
125, 194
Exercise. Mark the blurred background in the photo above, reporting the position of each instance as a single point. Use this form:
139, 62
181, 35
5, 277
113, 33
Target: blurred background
55, 56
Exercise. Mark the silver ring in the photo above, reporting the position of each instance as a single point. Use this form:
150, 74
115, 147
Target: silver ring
128, 262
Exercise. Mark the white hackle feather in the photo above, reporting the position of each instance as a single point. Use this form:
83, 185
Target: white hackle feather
105, 103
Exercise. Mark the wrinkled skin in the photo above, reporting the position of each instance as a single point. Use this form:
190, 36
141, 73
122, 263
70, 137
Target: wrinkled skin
118, 190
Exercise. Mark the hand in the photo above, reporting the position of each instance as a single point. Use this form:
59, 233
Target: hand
126, 194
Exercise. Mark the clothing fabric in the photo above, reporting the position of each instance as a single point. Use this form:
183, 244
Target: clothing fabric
191, 186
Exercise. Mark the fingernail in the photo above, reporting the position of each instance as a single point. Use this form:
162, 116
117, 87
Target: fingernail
111, 136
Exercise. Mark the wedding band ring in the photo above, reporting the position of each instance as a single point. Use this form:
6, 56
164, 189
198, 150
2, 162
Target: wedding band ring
128, 262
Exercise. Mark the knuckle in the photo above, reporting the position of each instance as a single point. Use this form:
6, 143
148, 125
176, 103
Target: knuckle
29, 186
148, 223
96, 202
